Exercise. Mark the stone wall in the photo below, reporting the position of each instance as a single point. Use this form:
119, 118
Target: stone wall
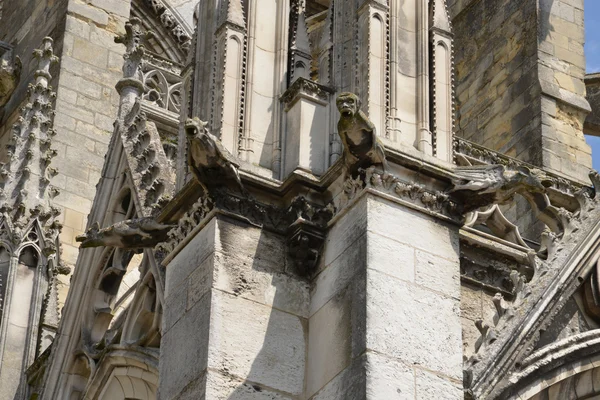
592, 122
86, 106
519, 77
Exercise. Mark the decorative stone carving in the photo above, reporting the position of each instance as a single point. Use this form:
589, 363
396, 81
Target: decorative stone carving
468, 154
134, 53
495, 220
306, 235
361, 146
484, 185
10, 72
568, 255
208, 160
128, 234
25, 189
169, 21
435, 202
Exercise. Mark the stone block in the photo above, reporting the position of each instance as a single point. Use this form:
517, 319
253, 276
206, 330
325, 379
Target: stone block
425, 233
77, 27
439, 274
329, 342
275, 289
350, 384
175, 306
200, 281
338, 275
183, 356
257, 343
413, 325
345, 231
257, 248
74, 219
221, 387
470, 303
87, 12
389, 379
118, 7
390, 257
186, 261
431, 386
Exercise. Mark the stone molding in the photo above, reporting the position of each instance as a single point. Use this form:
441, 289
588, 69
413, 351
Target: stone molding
306, 87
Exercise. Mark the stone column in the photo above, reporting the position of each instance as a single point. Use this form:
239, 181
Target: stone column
235, 316
384, 317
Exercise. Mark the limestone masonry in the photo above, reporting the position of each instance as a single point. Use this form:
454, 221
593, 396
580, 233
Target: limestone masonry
298, 200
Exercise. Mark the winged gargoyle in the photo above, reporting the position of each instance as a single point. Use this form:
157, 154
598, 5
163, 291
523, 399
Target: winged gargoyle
128, 234
484, 185
208, 160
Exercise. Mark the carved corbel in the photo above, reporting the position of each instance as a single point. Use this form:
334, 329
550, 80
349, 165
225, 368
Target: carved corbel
305, 242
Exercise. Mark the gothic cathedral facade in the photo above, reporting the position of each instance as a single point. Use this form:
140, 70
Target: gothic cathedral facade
298, 199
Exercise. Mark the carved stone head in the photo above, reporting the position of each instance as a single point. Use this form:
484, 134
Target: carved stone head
194, 127
348, 104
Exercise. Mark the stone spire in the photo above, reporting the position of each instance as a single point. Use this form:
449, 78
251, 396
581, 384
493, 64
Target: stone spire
232, 12
25, 190
300, 51
145, 156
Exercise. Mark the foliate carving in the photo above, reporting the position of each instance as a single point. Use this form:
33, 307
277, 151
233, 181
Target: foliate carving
306, 235
169, 21
303, 223
133, 39
25, 190
150, 169
362, 149
10, 73
302, 85
436, 202
210, 162
190, 220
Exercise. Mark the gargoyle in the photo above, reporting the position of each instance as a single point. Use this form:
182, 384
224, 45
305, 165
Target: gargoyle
362, 149
128, 234
484, 185
209, 161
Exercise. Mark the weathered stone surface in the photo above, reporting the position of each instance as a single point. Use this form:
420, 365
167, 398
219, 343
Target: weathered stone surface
249, 339
409, 308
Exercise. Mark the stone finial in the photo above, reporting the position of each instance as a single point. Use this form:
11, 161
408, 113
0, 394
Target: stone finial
134, 48
45, 57
232, 12
439, 17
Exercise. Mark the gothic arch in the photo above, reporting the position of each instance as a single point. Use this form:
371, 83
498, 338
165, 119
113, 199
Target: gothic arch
566, 370
172, 37
125, 373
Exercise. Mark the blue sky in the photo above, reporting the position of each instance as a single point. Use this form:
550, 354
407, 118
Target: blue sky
592, 54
